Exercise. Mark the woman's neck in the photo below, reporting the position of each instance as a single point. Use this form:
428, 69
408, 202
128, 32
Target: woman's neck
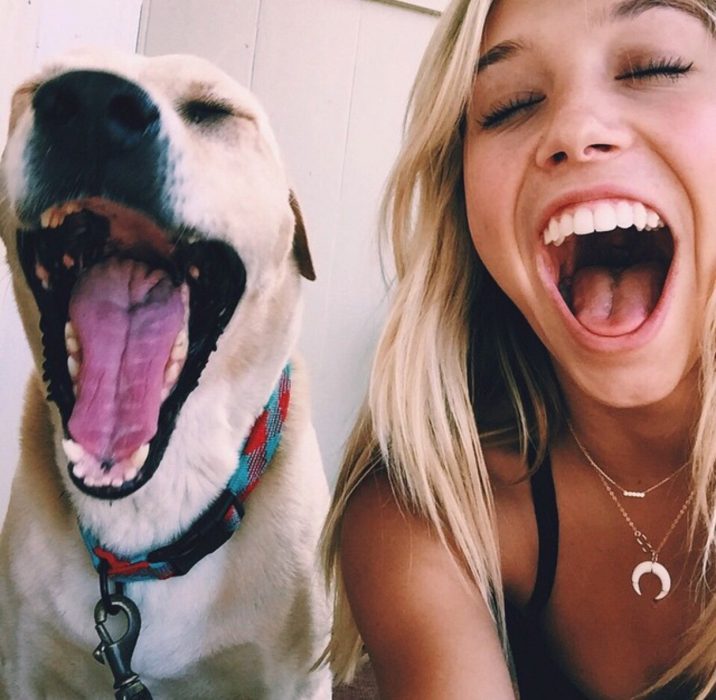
637, 442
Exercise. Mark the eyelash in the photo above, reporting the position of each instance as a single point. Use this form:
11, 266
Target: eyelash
204, 112
670, 68
509, 109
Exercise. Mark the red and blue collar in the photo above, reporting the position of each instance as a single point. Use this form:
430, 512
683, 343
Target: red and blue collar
223, 517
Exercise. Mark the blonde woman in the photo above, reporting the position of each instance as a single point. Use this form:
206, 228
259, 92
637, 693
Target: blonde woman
528, 502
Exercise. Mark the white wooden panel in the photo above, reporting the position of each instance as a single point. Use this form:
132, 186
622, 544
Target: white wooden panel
390, 46
224, 31
66, 24
32, 31
304, 77
18, 31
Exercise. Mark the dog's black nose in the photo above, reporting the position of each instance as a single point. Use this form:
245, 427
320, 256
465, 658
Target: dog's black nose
102, 111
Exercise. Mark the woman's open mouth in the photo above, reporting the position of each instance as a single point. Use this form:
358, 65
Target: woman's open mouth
129, 314
609, 261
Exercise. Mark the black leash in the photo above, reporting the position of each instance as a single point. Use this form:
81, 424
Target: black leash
117, 654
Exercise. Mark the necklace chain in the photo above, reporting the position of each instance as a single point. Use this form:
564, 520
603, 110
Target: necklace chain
625, 492
640, 537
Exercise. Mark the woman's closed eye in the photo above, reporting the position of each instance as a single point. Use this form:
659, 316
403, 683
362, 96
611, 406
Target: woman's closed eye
511, 108
668, 68
656, 68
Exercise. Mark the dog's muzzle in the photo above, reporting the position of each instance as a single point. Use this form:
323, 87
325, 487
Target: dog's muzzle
99, 134
131, 302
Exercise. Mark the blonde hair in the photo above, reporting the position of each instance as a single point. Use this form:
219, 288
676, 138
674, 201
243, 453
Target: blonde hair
449, 331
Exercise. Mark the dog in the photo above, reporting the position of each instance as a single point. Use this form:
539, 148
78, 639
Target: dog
161, 535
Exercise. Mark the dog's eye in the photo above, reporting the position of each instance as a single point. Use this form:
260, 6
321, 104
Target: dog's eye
200, 112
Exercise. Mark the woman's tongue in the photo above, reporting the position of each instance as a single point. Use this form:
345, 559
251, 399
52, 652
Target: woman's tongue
126, 316
616, 301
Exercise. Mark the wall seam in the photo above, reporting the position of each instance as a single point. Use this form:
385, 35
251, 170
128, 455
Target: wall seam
414, 6
145, 14
259, 7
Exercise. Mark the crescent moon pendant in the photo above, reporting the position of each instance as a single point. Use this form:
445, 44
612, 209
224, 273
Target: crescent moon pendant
652, 567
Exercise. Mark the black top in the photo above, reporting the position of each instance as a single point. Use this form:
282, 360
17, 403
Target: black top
538, 675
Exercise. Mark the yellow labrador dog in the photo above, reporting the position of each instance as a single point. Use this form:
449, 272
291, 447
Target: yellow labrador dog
161, 534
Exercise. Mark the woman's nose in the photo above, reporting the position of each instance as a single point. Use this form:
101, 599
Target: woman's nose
582, 129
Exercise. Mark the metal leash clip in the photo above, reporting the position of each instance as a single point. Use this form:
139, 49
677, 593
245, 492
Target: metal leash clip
117, 654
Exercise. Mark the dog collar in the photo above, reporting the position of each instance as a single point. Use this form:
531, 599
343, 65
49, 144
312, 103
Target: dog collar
221, 519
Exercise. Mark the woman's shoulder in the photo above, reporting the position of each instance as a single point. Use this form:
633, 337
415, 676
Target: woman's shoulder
415, 607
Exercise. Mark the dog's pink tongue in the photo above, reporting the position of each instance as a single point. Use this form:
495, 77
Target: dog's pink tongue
126, 317
610, 302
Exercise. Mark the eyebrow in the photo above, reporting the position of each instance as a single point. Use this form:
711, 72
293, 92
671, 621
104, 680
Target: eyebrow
627, 9
498, 53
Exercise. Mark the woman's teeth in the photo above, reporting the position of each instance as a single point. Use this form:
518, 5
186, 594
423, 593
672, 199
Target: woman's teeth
598, 217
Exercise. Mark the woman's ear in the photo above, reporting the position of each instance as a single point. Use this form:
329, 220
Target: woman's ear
300, 241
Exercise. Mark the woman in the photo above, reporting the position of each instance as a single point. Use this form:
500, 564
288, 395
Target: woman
528, 499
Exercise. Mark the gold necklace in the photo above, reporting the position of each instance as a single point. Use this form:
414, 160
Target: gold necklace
627, 493
653, 565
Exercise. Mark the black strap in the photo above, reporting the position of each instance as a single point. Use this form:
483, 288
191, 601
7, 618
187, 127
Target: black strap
547, 516
205, 536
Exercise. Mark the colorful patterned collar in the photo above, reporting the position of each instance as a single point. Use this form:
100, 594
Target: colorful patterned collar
221, 519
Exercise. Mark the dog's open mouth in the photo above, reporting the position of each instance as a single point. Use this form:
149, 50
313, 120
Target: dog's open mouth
129, 315
611, 274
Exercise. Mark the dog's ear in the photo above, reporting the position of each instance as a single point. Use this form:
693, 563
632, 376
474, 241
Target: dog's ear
21, 101
300, 241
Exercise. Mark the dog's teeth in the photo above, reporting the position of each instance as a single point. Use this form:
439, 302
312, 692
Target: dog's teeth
165, 393
74, 451
131, 473
117, 482
54, 217
68, 261
73, 367
89, 481
41, 273
78, 470
139, 457
194, 272
71, 342
73, 347
171, 373
180, 346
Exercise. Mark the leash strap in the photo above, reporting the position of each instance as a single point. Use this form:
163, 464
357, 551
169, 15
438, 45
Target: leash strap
221, 519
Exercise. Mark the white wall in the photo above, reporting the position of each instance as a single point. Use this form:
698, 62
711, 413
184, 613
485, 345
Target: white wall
334, 77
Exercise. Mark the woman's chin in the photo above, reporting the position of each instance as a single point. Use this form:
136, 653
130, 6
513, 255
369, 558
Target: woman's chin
629, 384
